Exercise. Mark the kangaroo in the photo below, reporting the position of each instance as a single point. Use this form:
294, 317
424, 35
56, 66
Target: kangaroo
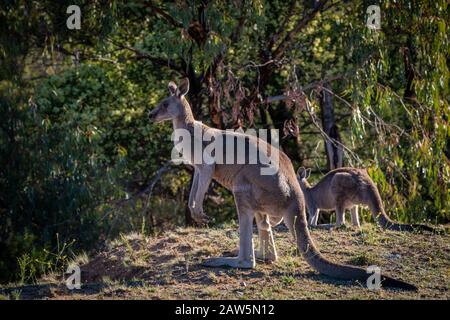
346, 188
268, 198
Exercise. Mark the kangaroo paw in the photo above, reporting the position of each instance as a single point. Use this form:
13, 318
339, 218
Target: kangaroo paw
233, 262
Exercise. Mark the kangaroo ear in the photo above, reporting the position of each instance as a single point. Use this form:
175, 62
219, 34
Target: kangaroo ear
308, 173
183, 89
301, 172
172, 88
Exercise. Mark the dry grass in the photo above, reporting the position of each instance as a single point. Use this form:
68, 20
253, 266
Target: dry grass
168, 267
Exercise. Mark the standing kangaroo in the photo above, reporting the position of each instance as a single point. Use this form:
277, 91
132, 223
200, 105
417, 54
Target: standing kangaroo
346, 188
268, 198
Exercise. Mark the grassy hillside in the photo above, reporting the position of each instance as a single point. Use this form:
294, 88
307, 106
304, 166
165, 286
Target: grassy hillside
168, 267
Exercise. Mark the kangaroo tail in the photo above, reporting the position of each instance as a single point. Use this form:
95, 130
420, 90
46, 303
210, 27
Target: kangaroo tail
340, 271
379, 215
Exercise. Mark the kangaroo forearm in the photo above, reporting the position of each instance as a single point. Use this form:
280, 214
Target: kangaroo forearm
200, 185
194, 188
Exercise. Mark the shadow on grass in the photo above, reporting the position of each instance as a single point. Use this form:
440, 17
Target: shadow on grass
44, 291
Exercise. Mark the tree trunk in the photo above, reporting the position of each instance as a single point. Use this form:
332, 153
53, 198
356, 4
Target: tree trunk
214, 103
334, 152
409, 56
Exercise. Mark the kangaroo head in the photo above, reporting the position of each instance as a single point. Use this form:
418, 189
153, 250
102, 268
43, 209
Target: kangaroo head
171, 107
302, 177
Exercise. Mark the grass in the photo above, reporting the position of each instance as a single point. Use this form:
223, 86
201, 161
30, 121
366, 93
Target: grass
168, 266
364, 259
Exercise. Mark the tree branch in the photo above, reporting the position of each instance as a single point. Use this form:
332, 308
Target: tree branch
277, 35
307, 87
149, 188
278, 52
144, 55
237, 32
163, 14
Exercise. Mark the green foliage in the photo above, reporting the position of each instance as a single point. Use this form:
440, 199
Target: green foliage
110, 110
40, 261
411, 130
52, 183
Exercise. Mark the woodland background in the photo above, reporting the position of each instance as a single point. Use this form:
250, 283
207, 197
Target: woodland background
81, 164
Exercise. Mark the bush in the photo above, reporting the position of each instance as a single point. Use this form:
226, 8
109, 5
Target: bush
52, 182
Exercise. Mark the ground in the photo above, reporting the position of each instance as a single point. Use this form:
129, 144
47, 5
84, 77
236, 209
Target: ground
168, 266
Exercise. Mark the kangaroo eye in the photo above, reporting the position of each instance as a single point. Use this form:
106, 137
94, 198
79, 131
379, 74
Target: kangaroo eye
165, 104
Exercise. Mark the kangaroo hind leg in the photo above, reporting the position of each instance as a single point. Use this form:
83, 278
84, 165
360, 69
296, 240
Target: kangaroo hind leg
267, 250
313, 216
340, 216
246, 257
355, 216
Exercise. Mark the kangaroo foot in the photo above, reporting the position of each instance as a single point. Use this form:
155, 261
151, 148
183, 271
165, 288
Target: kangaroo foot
231, 253
341, 227
259, 255
356, 226
233, 262
267, 257
329, 226
326, 226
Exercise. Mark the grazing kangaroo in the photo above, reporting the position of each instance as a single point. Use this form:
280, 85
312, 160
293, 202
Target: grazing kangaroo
346, 188
268, 198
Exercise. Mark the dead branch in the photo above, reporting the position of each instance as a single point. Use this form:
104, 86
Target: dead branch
149, 188
326, 136
304, 88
